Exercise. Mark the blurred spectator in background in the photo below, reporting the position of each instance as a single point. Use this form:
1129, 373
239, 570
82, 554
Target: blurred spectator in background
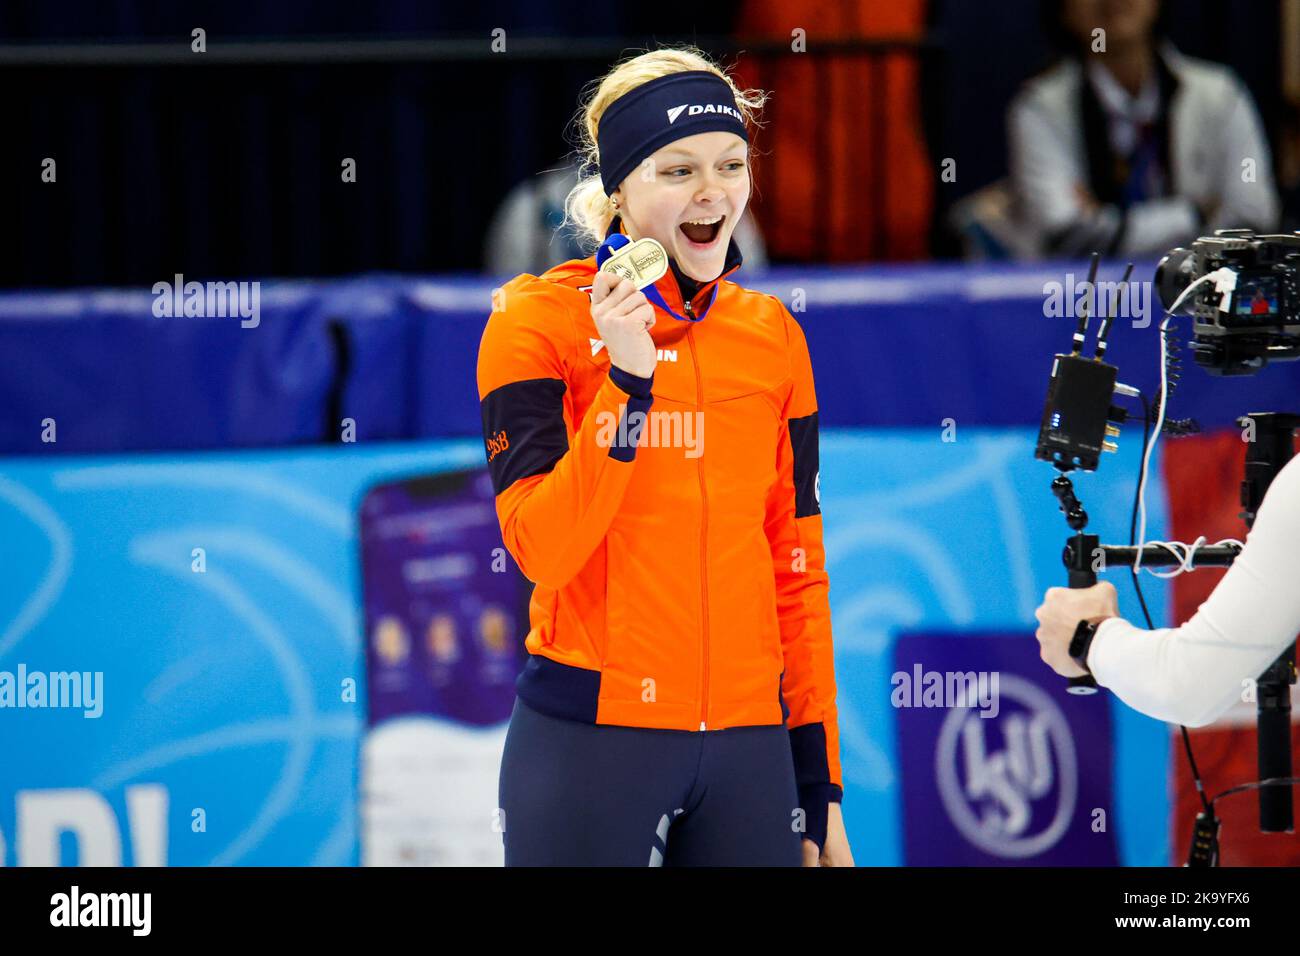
1128, 147
525, 234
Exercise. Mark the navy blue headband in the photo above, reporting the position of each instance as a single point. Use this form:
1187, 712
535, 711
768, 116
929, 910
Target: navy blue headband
659, 112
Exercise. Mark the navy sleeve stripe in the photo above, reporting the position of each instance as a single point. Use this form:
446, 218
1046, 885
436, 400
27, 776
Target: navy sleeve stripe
808, 747
523, 426
635, 385
623, 447
807, 466
812, 777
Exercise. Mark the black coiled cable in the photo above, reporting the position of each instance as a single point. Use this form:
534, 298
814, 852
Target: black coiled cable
1175, 427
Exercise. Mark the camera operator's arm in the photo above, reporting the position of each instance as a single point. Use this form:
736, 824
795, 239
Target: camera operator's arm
1192, 674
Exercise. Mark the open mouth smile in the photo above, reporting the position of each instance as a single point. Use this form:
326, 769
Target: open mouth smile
702, 234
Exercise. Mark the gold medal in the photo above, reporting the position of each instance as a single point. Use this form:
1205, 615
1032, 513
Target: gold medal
643, 261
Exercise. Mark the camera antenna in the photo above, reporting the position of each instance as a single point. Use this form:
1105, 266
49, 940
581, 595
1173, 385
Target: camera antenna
1110, 316
1081, 332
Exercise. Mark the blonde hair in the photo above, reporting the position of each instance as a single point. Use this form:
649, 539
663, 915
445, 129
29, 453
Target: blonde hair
587, 208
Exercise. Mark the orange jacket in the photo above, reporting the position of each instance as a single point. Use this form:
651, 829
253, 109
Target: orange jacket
680, 582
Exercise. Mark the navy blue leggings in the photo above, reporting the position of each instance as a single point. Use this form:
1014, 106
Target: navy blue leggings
577, 794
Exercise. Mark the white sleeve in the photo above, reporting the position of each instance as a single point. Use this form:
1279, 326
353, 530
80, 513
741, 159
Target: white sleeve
1045, 174
1159, 224
1192, 674
1252, 201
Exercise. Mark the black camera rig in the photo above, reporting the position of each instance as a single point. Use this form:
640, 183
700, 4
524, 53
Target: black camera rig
1251, 314
1243, 293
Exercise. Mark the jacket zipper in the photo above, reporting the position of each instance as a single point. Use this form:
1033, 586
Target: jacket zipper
688, 305
704, 537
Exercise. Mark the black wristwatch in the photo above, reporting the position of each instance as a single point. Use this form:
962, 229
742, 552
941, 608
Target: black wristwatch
1081, 642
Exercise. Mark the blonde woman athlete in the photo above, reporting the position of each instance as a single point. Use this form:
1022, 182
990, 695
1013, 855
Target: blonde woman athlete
654, 455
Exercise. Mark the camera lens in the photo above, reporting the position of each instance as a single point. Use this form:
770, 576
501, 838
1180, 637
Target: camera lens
1173, 275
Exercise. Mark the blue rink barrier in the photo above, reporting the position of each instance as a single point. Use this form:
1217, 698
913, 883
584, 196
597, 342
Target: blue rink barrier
892, 346
225, 732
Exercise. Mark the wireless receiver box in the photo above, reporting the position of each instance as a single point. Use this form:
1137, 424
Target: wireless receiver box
1074, 427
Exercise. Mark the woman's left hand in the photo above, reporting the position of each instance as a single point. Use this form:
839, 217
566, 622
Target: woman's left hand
836, 851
